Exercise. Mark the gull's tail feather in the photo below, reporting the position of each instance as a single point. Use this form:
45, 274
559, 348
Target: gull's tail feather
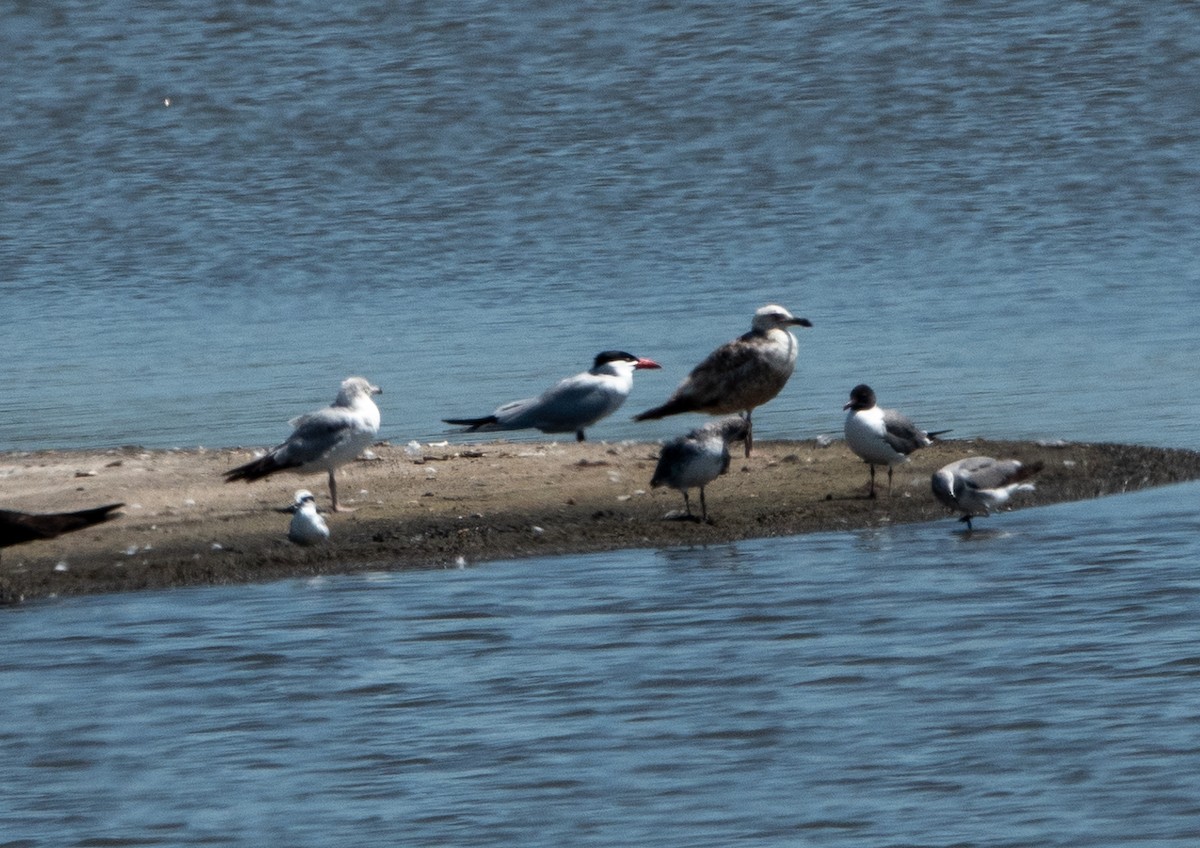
671, 407
472, 423
262, 467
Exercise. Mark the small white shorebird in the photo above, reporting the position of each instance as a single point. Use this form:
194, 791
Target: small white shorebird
308, 527
322, 440
695, 460
979, 484
740, 375
881, 436
571, 404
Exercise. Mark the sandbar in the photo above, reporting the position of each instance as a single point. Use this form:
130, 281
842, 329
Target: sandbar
464, 504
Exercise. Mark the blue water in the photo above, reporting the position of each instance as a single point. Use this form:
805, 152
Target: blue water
988, 211
212, 212
1021, 686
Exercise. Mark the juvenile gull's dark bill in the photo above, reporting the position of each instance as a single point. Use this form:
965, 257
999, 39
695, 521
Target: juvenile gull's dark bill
881, 436
572, 404
740, 375
977, 485
322, 440
695, 460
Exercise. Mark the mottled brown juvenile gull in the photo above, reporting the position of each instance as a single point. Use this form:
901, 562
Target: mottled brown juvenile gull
979, 484
740, 375
881, 436
322, 440
570, 405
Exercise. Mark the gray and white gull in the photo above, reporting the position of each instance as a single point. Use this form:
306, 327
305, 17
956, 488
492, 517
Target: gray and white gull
978, 485
323, 440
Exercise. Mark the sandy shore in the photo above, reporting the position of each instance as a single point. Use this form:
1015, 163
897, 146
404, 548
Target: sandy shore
182, 525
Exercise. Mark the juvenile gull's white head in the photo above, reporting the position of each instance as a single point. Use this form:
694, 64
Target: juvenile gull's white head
775, 317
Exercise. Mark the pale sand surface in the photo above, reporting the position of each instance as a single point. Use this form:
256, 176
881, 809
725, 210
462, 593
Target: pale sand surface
183, 525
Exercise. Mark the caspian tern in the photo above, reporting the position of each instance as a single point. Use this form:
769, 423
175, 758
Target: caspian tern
570, 405
979, 484
739, 375
322, 440
695, 460
881, 436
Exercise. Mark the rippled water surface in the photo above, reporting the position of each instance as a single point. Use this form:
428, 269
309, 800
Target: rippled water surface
214, 211
1029, 684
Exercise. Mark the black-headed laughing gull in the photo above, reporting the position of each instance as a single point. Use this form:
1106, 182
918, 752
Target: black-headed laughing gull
322, 440
979, 484
695, 460
570, 405
739, 375
881, 436
19, 527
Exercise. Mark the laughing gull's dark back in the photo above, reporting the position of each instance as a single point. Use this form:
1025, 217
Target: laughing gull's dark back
977, 485
740, 375
881, 436
570, 405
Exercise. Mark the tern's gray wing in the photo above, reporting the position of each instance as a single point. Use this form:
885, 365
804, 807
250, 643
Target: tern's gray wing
564, 408
902, 434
